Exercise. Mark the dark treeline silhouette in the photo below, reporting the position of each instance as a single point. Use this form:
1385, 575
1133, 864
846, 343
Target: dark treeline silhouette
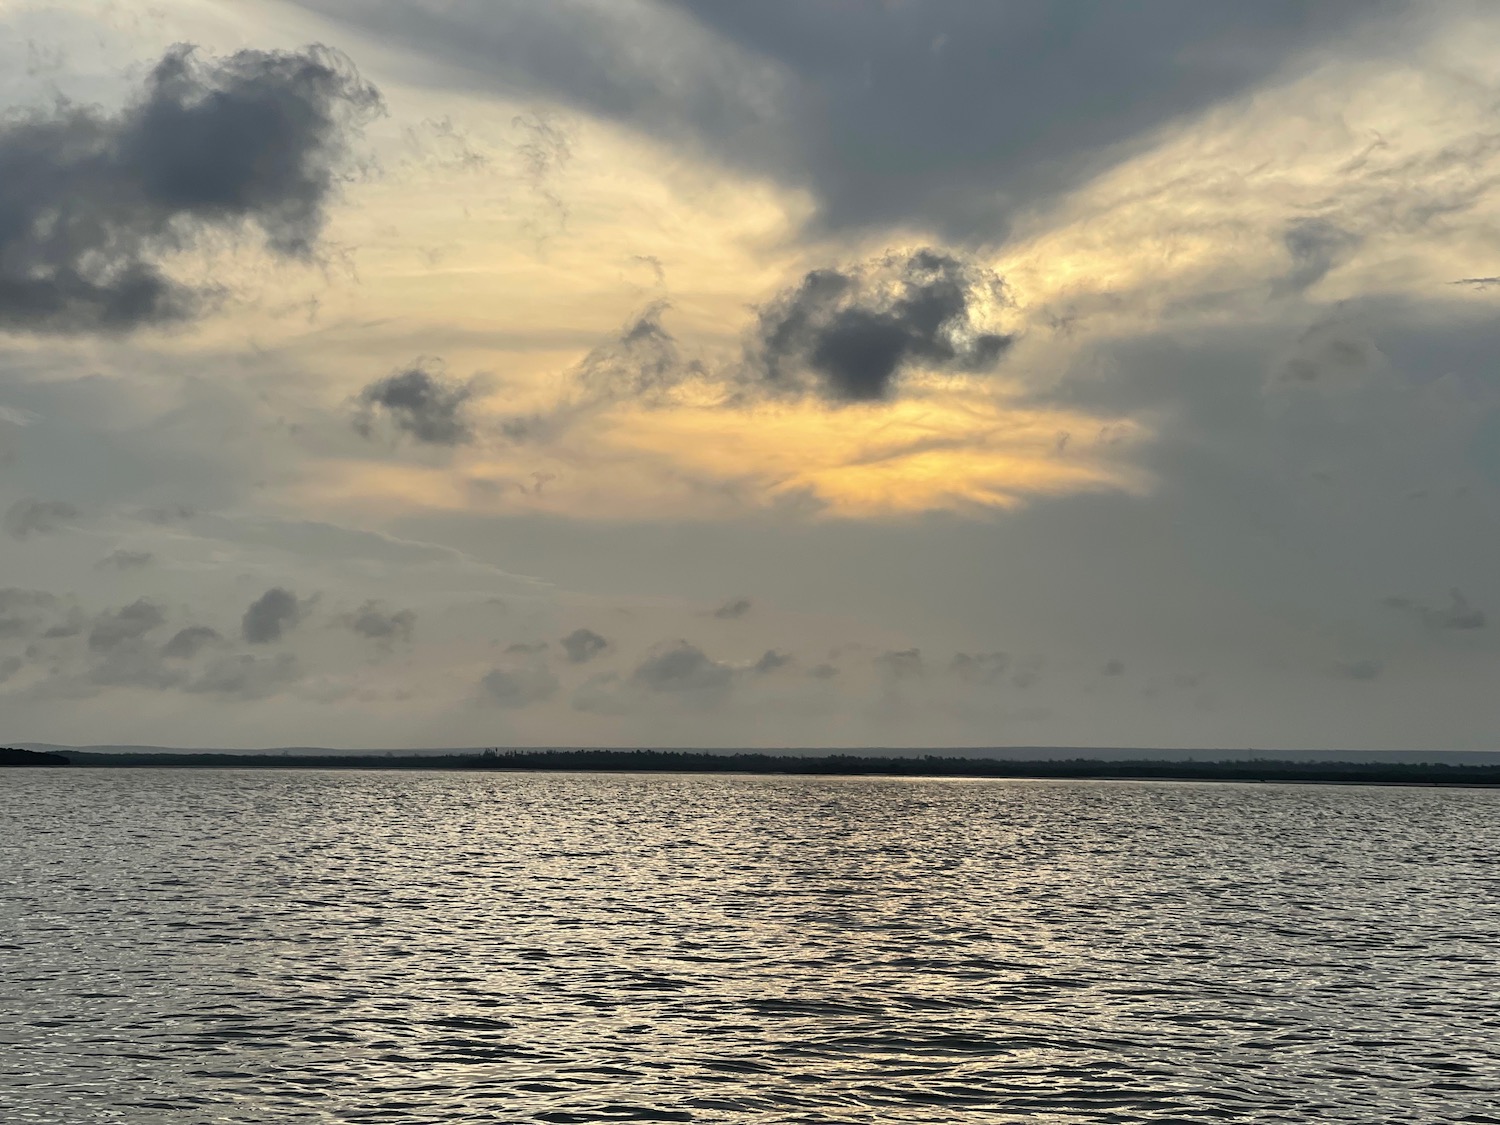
931, 765
10, 756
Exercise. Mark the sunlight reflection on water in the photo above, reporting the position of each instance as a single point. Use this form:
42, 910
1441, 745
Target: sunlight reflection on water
256, 946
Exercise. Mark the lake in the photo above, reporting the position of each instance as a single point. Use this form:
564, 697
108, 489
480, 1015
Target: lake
204, 946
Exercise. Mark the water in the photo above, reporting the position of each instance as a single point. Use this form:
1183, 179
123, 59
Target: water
267, 946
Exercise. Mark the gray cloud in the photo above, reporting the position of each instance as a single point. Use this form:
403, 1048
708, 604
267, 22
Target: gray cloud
526, 648
518, 686
270, 615
167, 514
947, 113
371, 620
684, 668
904, 664
33, 517
126, 560
582, 645
92, 202
1113, 668
423, 404
733, 610
246, 677
23, 611
770, 661
824, 671
981, 667
1457, 614
110, 630
1362, 670
643, 360
1315, 246
849, 334
187, 643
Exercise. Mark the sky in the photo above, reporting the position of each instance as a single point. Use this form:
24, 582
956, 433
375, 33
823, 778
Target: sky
807, 373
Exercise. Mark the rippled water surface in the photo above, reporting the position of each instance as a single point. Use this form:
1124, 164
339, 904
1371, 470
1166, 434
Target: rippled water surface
265, 946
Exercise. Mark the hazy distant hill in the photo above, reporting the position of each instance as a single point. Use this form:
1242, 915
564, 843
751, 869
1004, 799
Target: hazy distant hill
1002, 753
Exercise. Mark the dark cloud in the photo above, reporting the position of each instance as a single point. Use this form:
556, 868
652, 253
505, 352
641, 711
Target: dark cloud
423, 404
110, 630
733, 610
823, 671
91, 203
526, 648
518, 686
582, 645
373, 621
770, 661
1457, 614
187, 643
683, 668
946, 113
33, 517
270, 615
849, 334
1114, 668
126, 560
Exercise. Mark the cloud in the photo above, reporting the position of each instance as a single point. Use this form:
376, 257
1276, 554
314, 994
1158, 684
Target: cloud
519, 685
733, 610
582, 645
375, 623
644, 360
1362, 670
849, 334
904, 664
167, 514
187, 643
526, 648
21, 611
246, 677
682, 668
944, 114
824, 671
1113, 668
423, 404
38, 517
270, 615
110, 630
770, 661
126, 560
1457, 614
1315, 246
601, 695
980, 668
93, 202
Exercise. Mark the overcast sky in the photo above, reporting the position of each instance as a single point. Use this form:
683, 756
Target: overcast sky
381, 373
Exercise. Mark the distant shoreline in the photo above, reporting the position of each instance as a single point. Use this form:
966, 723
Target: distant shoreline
838, 765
